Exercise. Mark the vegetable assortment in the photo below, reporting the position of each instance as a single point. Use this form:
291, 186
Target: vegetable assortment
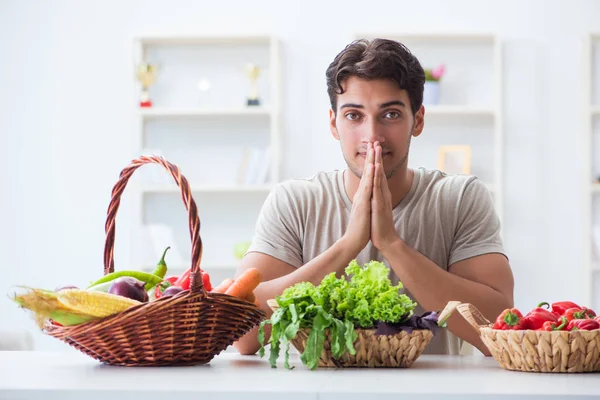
363, 298
118, 291
558, 316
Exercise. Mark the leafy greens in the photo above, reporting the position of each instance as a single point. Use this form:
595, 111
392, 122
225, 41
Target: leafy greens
364, 298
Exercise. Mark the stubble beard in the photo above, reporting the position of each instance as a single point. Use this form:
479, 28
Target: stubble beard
359, 171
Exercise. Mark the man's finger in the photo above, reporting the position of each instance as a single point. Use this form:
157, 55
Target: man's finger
365, 176
369, 181
377, 182
368, 158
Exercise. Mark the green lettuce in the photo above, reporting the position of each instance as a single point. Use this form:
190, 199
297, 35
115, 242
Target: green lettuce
361, 298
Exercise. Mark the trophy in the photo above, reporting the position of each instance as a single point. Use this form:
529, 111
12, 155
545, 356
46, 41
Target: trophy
253, 71
146, 74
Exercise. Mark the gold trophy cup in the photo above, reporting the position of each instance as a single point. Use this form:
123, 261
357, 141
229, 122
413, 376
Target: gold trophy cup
146, 75
253, 71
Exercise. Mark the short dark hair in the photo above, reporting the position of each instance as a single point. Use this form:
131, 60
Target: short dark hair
378, 59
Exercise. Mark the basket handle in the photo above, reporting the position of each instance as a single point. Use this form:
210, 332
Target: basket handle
188, 201
473, 316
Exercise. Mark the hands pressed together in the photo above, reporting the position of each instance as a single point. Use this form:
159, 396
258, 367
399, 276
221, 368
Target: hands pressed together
371, 215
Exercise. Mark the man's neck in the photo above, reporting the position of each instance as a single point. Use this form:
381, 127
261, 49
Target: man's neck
399, 184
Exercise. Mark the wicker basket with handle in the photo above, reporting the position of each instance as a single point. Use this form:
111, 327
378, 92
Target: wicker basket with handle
392, 351
537, 351
186, 329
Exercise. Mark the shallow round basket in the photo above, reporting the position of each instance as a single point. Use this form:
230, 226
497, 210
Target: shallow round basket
375, 351
186, 329
537, 351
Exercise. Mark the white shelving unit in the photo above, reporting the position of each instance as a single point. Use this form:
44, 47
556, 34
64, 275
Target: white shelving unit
471, 111
591, 166
206, 134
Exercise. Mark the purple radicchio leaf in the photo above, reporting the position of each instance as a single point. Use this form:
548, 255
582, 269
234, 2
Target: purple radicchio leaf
428, 320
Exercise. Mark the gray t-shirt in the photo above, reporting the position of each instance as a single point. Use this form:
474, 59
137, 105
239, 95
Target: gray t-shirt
447, 218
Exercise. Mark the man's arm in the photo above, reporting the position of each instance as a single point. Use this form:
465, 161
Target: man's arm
278, 276
485, 281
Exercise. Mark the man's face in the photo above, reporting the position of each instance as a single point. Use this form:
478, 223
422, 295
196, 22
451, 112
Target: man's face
374, 110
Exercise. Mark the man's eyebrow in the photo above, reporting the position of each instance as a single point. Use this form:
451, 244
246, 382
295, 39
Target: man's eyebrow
384, 105
351, 105
393, 103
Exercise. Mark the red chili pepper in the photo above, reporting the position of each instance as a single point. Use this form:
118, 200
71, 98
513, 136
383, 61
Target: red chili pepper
553, 326
535, 318
583, 325
509, 319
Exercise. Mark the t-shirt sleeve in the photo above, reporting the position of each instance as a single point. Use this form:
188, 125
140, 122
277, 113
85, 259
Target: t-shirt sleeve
478, 225
277, 231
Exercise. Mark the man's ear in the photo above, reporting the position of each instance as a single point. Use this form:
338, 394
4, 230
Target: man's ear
332, 125
419, 121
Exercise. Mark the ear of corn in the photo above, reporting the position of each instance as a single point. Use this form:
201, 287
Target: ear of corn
96, 304
44, 304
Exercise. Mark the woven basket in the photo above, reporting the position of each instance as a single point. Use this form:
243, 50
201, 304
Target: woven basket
537, 351
378, 351
186, 329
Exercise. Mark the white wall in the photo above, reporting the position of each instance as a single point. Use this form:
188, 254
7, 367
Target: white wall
66, 93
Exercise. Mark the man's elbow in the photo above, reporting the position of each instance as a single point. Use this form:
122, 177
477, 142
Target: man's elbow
245, 348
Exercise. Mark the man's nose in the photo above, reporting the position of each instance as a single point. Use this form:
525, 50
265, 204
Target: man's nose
372, 132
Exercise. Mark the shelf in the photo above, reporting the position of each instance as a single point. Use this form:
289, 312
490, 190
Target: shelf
172, 188
458, 110
434, 37
595, 187
203, 40
156, 112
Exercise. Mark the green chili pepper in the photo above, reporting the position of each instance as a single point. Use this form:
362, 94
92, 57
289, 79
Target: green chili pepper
160, 270
139, 275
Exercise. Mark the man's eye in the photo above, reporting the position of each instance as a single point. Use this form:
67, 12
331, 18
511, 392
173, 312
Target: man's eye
352, 116
392, 115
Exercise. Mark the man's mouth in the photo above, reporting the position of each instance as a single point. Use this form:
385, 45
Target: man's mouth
384, 154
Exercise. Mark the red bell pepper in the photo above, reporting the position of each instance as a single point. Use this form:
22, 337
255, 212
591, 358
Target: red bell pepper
554, 326
589, 312
160, 288
206, 281
509, 319
583, 325
575, 313
560, 307
184, 280
535, 318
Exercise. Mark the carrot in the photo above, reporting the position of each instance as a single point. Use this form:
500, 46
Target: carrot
246, 283
250, 297
223, 286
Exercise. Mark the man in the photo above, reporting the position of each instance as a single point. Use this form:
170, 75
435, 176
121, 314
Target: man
438, 234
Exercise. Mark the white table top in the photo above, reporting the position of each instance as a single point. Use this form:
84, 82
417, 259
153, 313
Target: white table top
72, 375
